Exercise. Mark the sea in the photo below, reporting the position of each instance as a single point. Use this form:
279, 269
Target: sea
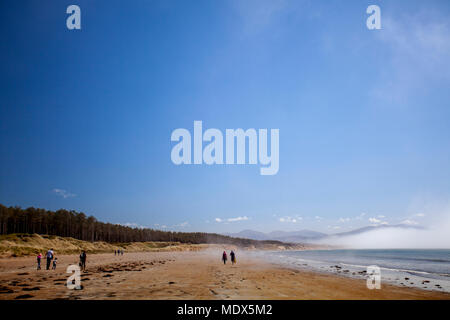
427, 269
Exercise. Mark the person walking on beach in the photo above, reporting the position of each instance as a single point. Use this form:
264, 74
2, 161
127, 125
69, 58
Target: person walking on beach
83, 260
49, 257
224, 257
233, 257
38, 258
54, 263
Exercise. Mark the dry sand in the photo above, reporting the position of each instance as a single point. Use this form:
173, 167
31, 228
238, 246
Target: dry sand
185, 275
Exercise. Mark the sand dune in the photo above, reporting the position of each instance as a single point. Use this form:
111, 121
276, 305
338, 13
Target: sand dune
18, 245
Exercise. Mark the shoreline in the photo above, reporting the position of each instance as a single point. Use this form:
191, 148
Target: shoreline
196, 275
399, 277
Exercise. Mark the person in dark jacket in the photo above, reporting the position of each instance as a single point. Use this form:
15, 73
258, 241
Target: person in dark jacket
233, 257
224, 257
49, 256
83, 260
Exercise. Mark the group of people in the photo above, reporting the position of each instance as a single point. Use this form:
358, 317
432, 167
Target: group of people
232, 257
118, 252
50, 256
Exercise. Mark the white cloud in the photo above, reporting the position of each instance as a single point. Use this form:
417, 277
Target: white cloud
63, 193
377, 221
289, 219
132, 225
244, 218
374, 220
182, 224
129, 224
410, 222
344, 219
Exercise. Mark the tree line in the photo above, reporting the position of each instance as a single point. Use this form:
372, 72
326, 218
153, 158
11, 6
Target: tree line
69, 223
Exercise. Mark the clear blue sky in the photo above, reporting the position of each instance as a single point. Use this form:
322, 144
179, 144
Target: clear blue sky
86, 115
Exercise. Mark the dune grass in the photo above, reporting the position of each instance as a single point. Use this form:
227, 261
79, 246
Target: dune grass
17, 245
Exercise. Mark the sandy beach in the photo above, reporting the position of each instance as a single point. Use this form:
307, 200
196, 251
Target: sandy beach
185, 275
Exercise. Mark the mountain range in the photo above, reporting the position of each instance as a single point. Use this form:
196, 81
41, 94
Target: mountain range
305, 235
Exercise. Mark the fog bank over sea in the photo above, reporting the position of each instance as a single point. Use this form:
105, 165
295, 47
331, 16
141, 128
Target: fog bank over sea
435, 236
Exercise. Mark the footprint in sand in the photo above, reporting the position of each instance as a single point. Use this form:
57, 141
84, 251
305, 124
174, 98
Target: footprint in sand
213, 292
23, 296
5, 290
31, 289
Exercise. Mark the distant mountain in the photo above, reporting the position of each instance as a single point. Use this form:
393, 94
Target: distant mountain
305, 236
302, 233
249, 234
287, 236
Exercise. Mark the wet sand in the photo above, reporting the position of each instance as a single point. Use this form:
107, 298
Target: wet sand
185, 275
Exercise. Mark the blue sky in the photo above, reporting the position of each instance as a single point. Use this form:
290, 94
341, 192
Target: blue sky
86, 115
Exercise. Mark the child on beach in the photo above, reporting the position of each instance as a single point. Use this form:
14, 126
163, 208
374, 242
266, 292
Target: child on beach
54, 263
38, 258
